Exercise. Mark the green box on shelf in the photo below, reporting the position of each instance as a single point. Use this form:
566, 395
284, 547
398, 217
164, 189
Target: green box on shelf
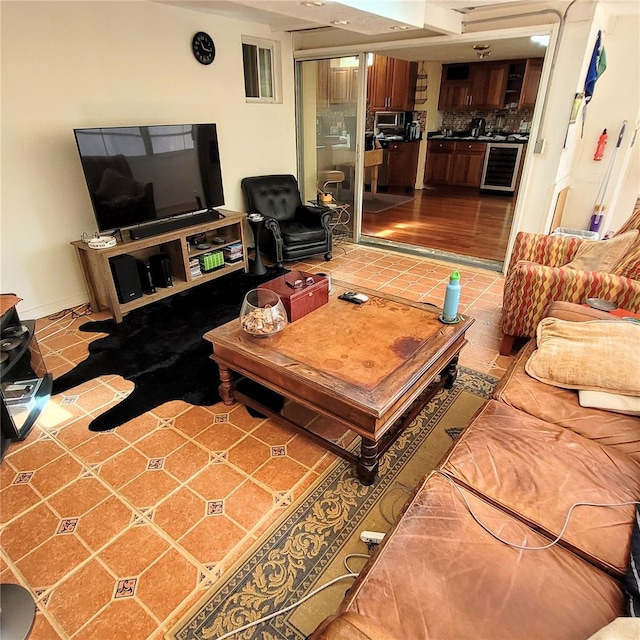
210, 261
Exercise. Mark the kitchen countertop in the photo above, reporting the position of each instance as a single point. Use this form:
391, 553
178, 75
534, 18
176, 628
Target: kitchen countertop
517, 138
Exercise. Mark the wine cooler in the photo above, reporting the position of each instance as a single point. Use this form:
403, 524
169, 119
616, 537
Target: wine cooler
501, 167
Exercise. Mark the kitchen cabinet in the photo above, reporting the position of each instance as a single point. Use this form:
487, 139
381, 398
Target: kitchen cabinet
322, 84
473, 86
439, 162
392, 84
454, 163
454, 95
402, 164
490, 85
343, 85
467, 164
523, 82
530, 83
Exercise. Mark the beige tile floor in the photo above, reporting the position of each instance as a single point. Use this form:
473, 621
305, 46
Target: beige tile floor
116, 534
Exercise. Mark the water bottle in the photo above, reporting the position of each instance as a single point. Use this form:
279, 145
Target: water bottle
451, 299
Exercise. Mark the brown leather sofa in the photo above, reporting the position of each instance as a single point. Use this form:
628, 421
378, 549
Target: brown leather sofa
527, 455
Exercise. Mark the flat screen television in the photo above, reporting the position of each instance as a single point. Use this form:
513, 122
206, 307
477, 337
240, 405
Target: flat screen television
151, 178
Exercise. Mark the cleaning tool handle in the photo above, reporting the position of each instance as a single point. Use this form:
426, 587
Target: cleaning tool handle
621, 134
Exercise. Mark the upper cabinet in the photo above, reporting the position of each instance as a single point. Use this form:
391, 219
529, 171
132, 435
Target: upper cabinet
343, 85
392, 84
335, 85
490, 85
322, 84
530, 83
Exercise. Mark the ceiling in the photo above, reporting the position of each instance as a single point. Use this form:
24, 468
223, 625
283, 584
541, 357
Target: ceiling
394, 20
358, 16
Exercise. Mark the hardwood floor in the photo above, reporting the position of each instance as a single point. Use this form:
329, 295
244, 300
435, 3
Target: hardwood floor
458, 220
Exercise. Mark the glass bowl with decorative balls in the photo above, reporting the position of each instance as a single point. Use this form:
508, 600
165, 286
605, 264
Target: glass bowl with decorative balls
262, 313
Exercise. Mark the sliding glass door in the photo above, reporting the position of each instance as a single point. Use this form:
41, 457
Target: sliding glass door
329, 133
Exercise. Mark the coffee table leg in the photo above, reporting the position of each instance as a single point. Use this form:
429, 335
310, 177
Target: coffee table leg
226, 385
367, 468
451, 373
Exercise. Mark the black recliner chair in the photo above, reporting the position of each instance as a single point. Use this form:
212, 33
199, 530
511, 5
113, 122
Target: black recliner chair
292, 230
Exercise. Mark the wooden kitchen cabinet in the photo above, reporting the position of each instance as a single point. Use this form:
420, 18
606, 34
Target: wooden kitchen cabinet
402, 164
473, 86
490, 85
439, 162
454, 163
467, 164
392, 84
322, 84
343, 85
523, 82
530, 83
454, 95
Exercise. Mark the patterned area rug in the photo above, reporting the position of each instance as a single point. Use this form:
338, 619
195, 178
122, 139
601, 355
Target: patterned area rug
308, 547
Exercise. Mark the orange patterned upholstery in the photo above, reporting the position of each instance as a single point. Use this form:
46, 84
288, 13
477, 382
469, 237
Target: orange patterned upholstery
536, 277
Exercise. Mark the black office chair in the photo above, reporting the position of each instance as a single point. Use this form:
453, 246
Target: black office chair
292, 230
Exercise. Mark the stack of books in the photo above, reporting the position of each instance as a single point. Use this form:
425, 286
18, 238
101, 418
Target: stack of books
194, 267
233, 252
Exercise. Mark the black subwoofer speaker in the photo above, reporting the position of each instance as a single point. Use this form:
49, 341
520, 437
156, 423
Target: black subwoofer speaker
161, 270
125, 277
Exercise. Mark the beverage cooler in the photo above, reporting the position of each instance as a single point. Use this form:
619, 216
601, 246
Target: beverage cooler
501, 167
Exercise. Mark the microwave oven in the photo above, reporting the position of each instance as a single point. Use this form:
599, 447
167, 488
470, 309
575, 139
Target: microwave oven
384, 120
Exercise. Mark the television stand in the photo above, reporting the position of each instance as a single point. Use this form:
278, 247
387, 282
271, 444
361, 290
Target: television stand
157, 228
218, 233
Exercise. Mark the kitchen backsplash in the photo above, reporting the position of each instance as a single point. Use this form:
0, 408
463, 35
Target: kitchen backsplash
497, 120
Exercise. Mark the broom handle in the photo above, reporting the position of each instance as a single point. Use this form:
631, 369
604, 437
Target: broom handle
607, 176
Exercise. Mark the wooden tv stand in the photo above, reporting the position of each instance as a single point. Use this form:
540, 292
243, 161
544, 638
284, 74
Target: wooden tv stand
99, 279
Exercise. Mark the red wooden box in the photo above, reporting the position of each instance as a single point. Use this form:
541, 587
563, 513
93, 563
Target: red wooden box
299, 302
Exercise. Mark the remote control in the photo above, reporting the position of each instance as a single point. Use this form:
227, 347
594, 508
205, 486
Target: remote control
352, 296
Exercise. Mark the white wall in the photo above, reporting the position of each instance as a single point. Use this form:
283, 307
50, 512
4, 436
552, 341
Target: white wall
83, 64
616, 98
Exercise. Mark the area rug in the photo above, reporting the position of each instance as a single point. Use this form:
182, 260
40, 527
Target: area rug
382, 202
161, 350
307, 547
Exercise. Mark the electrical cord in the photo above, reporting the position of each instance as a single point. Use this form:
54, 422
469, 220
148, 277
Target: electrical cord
522, 547
351, 574
72, 311
289, 608
74, 315
405, 492
354, 555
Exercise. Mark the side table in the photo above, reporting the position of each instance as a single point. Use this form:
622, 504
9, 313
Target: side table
340, 220
257, 224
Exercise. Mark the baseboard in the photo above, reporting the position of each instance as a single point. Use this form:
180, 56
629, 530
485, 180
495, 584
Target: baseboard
42, 311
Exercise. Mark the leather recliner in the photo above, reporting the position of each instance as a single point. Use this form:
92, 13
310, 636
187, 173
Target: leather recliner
292, 230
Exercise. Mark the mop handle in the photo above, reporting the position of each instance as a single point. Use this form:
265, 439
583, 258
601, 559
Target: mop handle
605, 184
624, 124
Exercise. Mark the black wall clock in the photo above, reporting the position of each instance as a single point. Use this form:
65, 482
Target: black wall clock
203, 48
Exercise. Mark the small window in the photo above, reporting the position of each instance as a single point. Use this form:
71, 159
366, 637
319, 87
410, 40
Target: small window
258, 57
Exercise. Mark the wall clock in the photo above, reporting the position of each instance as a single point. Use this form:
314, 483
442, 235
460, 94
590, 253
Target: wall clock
203, 48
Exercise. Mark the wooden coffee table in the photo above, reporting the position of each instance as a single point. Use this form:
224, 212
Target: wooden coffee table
370, 367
